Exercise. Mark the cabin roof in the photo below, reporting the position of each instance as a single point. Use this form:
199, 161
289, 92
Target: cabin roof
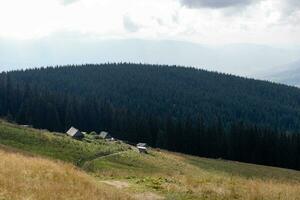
141, 145
72, 131
104, 134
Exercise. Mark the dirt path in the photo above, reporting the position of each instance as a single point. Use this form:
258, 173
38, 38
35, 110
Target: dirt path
148, 196
123, 184
139, 196
97, 156
113, 154
117, 184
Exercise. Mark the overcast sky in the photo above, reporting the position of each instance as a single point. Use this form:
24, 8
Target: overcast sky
205, 21
54, 32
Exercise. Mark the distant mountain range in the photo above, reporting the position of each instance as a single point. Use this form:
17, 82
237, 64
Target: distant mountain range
239, 59
287, 74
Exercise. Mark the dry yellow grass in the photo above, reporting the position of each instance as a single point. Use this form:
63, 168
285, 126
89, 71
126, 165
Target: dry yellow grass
28, 178
205, 184
175, 177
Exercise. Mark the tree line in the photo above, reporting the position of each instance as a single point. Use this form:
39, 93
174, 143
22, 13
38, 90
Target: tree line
179, 109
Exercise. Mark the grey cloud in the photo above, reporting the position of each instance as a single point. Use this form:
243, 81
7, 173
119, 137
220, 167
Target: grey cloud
290, 13
292, 6
216, 4
130, 25
294, 3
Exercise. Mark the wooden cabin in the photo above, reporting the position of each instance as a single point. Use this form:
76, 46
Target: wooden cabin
75, 133
142, 147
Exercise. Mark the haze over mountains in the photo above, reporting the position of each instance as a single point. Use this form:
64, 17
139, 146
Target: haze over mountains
239, 59
288, 74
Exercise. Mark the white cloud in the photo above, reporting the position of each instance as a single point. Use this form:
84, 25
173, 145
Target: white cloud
260, 21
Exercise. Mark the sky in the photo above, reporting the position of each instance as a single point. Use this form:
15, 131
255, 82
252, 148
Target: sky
273, 23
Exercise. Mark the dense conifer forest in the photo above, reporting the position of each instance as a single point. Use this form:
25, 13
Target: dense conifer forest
180, 109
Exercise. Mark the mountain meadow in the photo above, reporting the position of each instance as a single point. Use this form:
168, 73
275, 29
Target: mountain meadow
174, 108
38, 164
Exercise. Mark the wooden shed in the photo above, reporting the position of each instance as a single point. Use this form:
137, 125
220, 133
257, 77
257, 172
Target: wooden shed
105, 135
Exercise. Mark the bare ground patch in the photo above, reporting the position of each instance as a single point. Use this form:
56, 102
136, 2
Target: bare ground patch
148, 196
117, 184
139, 196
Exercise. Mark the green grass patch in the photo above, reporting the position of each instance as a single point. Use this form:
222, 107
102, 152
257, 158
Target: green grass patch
55, 145
246, 170
128, 162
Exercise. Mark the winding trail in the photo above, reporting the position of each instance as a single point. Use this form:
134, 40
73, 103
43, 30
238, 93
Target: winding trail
82, 162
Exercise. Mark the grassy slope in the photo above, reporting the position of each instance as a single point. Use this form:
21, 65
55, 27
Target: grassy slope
174, 176
178, 176
54, 145
28, 177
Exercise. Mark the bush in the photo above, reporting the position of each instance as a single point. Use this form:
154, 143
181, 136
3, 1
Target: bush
93, 133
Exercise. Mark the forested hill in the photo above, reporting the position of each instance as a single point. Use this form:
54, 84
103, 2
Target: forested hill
177, 108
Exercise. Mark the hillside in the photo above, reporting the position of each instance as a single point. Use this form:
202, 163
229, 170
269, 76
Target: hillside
175, 108
153, 90
122, 173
